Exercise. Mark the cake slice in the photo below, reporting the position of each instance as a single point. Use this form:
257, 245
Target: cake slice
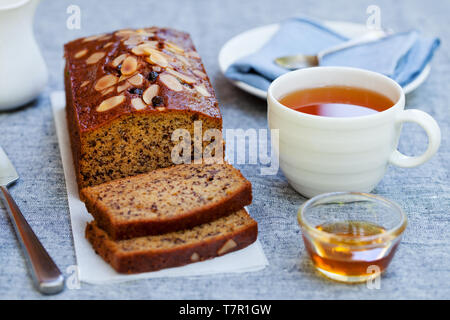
168, 199
221, 236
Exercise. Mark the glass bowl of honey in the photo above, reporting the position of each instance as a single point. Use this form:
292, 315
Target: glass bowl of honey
350, 236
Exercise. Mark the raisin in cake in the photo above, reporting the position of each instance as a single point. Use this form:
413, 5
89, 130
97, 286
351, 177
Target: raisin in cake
168, 199
126, 92
151, 253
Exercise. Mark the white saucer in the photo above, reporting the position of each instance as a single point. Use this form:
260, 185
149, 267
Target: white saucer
252, 40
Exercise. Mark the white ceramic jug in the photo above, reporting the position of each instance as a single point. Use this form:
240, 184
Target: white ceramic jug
23, 73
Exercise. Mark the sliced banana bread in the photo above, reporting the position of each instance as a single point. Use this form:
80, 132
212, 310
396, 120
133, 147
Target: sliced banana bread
151, 253
168, 199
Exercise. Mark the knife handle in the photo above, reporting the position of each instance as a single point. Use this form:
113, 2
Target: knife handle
46, 275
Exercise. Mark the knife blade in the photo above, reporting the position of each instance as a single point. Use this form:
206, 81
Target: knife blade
8, 173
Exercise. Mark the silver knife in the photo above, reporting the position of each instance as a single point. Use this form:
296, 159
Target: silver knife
46, 275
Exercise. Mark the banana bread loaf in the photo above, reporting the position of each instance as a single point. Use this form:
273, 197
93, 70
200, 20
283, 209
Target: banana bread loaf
126, 92
151, 253
168, 199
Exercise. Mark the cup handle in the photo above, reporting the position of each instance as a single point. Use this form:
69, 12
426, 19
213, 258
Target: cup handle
430, 126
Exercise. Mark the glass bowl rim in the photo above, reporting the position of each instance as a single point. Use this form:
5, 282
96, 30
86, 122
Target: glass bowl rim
393, 232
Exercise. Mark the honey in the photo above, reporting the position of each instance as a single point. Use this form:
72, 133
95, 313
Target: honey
353, 256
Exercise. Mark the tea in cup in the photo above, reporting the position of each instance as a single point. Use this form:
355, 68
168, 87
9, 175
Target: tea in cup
339, 128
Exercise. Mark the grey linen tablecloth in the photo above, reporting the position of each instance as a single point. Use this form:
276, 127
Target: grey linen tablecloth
421, 267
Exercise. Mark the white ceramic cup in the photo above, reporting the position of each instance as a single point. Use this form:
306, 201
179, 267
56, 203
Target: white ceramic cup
325, 154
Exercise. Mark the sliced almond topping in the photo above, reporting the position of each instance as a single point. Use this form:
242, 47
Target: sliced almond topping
158, 59
173, 47
123, 86
105, 82
144, 48
193, 54
93, 37
181, 76
108, 44
195, 256
171, 82
183, 60
118, 60
138, 104
145, 33
80, 53
150, 93
125, 33
84, 84
133, 41
149, 45
125, 77
106, 91
157, 69
95, 57
148, 34
136, 80
152, 50
230, 244
129, 65
202, 90
138, 51
200, 74
110, 103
